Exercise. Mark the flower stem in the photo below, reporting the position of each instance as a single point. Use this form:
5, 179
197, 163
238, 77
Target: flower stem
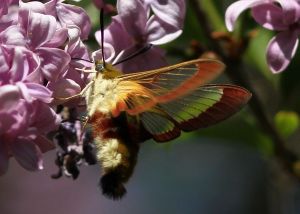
236, 74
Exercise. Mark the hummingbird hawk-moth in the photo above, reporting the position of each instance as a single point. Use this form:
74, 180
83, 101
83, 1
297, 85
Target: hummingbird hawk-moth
127, 109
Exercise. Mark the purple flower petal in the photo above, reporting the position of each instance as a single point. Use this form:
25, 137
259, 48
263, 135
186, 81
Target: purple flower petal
73, 15
34, 6
7, 121
64, 88
54, 62
9, 97
75, 47
141, 62
9, 19
45, 119
17, 71
5, 23
77, 50
273, 17
4, 7
171, 12
35, 76
58, 39
51, 7
39, 28
291, 11
27, 154
4, 65
111, 36
24, 91
24, 62
281, 49
12, 36
97, 55
39, 92
133, 15
21, 114
109, 53
235, 9
33, 63
77, 76
160, 32
73, 33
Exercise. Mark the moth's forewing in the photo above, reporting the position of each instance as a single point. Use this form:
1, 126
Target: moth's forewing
145, 89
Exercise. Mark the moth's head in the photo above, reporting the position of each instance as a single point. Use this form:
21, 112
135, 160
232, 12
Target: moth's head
107, 70
99, 66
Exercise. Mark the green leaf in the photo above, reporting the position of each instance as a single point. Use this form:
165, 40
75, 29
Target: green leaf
287, 122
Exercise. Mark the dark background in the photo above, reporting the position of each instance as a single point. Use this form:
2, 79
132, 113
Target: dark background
191, 176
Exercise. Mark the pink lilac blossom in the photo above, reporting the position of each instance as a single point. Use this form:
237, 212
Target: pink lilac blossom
37, 42
4, 6
65, 14
41, 50
279, 15
142, 23
73, 80
23, 128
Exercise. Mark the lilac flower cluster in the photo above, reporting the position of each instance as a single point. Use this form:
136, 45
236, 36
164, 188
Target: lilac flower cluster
40, 51
37, 43
141, 23
282, 16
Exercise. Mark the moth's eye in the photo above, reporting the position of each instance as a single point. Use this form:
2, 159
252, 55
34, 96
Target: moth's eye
99, 67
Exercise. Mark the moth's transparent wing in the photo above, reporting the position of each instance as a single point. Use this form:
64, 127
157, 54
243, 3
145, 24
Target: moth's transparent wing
161, 127
139, 92
203, 107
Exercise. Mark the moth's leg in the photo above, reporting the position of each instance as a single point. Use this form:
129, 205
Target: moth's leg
82, 92
86, 88
85, 121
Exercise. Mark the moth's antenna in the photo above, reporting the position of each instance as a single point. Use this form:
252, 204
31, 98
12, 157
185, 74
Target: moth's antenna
86, 60
142, 50
102, 35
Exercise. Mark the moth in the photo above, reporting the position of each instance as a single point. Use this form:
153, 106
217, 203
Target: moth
124, 110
